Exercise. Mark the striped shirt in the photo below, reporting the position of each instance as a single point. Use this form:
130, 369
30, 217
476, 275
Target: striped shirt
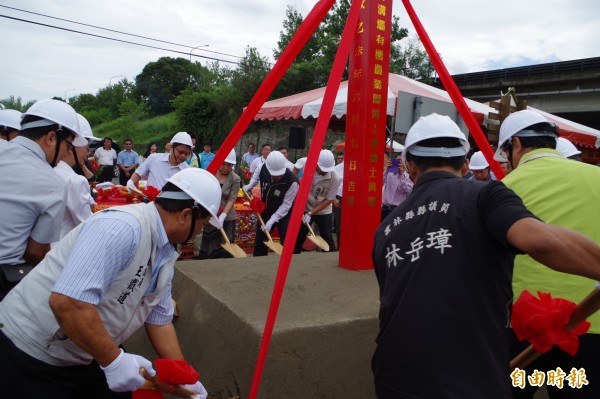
105, 246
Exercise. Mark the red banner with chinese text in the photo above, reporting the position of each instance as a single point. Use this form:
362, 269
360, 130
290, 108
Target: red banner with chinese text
365, 133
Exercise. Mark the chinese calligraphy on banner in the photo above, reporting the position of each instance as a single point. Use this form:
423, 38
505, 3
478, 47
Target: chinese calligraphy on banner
366, 120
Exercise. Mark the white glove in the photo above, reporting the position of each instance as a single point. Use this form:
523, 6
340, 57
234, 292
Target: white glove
247, 188
123, 374
306, 218
130, 184
268, 226
198, 388
222, 218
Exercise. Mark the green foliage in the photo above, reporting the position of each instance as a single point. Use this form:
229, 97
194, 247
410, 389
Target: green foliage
313, 65
161, 81
411, 60
16, 103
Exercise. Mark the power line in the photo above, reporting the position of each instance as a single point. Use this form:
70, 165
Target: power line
115, 31
116, 40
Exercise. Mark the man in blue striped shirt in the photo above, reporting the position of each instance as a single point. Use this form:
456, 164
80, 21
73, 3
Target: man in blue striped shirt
109, 276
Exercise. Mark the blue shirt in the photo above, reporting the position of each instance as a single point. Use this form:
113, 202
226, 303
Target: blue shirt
106, 244
248, 158
128, 158
206, 159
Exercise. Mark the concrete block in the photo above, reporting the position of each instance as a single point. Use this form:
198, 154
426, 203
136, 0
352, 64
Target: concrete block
323, 339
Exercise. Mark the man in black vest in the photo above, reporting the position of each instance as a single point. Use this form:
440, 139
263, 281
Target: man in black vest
278, 188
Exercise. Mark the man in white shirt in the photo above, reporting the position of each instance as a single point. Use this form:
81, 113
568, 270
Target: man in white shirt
106, 156
258, 162
159, 167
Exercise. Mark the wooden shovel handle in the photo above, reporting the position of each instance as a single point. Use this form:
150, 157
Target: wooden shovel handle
262, 222
225, 236
587, 307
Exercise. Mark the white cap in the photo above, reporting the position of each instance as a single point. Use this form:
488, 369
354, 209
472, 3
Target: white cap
566, 148
85, 129
276, 163
52, 112
515, 124
326, 161
231, 158
182, 138
10, 118
300, 163
430, 127
478, 161
202, 187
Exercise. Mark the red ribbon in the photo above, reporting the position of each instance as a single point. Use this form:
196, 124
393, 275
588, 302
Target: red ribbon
542, 321
257, 205
151, 192
172, 372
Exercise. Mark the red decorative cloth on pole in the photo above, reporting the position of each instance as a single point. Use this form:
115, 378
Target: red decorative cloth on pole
542, 321
151, 192
257, 205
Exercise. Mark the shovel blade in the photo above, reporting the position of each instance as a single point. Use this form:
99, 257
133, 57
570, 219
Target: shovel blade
234, 250
275, 247
319, 242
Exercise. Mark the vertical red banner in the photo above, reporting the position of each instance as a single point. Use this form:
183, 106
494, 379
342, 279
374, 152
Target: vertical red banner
365, 133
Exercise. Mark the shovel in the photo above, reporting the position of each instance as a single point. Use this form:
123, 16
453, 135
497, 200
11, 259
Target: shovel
274, 246
152, 383
137, 191
317, 240
233, 249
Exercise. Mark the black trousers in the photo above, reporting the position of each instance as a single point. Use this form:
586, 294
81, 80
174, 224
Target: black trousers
587, 358
324, 223
108, 173
24, 377
260, 249
386, 210
337, 221
123, 178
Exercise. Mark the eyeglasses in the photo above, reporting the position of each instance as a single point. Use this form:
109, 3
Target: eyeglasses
69, 144
184, 153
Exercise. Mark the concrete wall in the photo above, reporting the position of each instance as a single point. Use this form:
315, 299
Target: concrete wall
323, 339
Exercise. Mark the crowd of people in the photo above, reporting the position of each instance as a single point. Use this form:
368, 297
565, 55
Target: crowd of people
454, 243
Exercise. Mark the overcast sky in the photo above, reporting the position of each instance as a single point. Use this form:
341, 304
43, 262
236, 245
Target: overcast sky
40, 62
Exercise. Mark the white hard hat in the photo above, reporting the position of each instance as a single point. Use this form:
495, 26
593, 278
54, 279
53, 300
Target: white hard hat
231, 157
85, 129
52, 112
478, 161
182, 138
430, 127
566, 148
326, 161
515, 124
276, 163
10, 118
300, 163
202, 187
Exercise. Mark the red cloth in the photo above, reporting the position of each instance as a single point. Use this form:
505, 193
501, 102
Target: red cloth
151, 192
169, 371
543, 322
257, 205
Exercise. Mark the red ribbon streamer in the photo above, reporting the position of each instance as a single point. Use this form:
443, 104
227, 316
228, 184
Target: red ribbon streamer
305, 184
542, 321
455, 95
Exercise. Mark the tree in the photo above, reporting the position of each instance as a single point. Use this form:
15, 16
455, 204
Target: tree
411, 60
313, 65
161, 81
16, 103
